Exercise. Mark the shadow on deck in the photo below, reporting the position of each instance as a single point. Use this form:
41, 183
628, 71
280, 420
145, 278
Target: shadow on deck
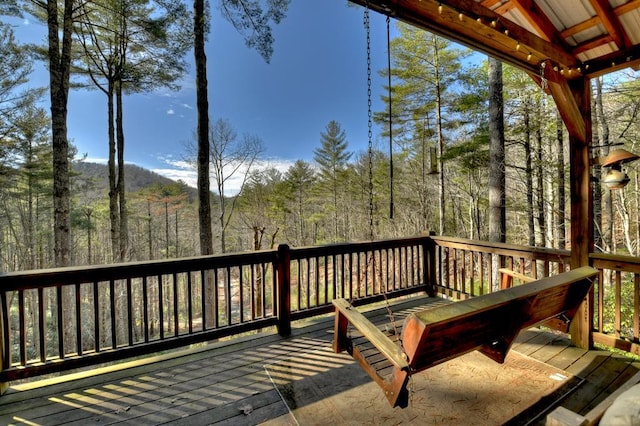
299, 380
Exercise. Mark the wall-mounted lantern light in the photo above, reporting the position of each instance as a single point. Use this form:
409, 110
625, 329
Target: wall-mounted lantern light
616, 178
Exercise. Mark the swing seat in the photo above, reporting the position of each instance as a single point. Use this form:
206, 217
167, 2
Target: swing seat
486, 323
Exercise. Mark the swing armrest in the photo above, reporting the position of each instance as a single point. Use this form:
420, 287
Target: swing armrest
377, 338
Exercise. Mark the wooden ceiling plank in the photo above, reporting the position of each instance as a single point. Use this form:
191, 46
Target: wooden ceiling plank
578, 28
593, 43
489, 3
627, 7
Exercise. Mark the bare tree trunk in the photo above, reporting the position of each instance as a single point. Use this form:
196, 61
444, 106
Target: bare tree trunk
531, 239
202, 100
607, 202
441, 199
560, 215
497, 183
114, 215
124, 223
540, 198
59, 72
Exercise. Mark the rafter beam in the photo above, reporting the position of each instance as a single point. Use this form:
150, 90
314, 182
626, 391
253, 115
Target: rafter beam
611, 23
538, 20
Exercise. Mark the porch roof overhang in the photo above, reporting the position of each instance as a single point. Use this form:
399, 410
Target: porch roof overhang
575, 37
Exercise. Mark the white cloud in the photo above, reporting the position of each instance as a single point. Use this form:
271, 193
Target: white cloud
187, 106
185, 171
170, 112
92, 160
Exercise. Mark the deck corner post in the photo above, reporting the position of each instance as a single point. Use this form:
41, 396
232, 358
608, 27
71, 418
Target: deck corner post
284, 290
429, 264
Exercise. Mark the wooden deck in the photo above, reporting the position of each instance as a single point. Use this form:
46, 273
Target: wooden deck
233, 383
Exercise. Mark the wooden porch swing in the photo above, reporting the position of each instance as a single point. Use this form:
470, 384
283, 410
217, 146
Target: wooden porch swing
486, 323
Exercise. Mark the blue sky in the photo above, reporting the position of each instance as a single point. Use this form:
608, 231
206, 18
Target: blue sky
317, 74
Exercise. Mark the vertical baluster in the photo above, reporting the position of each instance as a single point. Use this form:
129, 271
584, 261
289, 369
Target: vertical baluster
299, 283
41, 326
308, 282
386, 271
342, 275
241, 292
176, 322
325, 278
145, 308
78, 304
129, 296
214, 311
252, 271
161, 306
203, 299
61, 353
601, 301
636, 307
6, 332
618, 296
112, 307
263, 283
317, 280
22, 328
228, 295
189, 302
96, 316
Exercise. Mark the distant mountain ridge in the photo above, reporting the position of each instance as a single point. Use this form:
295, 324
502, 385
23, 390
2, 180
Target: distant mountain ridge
136, 177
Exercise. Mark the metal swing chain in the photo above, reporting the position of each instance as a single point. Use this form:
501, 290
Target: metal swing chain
367, 24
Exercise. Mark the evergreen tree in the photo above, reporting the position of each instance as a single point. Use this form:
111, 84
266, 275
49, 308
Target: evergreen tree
299, 180
332, 157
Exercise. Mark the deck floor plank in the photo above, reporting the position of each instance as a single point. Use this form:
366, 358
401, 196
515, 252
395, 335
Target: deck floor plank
227, 383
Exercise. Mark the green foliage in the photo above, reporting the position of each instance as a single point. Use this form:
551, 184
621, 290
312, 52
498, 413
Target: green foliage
254, 22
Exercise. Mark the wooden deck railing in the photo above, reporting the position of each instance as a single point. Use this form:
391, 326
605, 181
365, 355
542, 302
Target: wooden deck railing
617, 302
467, 267
59, 319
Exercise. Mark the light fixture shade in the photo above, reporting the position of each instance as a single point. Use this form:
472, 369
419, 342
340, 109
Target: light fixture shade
619, 156
616, 179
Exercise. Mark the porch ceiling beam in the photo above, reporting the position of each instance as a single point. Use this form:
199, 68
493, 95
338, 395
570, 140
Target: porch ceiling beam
611, 23
473, 25
538, 20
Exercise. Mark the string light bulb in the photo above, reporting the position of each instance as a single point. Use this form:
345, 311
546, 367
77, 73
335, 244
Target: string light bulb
529, 56
517, 46
493, 24
439, 8
460, 16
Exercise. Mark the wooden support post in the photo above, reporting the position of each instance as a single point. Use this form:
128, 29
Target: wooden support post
429, 265
284, 290
581, 210
573, 100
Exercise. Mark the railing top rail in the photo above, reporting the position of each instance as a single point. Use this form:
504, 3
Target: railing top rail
335, 249
24, 280
503, 248
616, 262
